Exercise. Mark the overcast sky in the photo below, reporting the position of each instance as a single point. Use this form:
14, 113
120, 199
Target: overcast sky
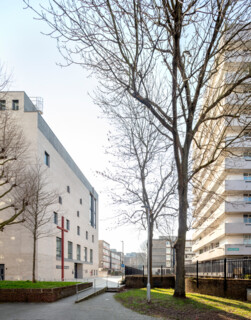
68, 109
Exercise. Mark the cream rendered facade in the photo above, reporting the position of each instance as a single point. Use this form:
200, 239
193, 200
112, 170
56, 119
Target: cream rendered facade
222, 203
76, 195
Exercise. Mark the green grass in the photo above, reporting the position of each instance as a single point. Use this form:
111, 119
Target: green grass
194, 307
36, 285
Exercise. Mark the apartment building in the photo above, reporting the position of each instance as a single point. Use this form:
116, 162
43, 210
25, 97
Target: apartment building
136, 259
163, 252
109, 259
222, 191
77, 207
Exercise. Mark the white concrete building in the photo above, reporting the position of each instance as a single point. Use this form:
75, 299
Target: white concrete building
78, 204
222, 203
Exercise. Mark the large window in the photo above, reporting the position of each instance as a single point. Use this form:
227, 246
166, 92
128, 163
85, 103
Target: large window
247, 176
247, 155
247, 218
58, 247
92, 214
91, 255
15, 105
47, 158
247, 239
2, 104
78, 252
247, 197
86, 255
69, 250
55, 217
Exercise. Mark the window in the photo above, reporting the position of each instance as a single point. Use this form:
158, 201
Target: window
247, 155
60, 200
247, 218
77, 213
92, 213
55, 217
86, 257
58, 247
86, 235
247, 176
78, 252
2, 105
15, 105
91, 255
69, 250
247, 197
93, 238
67, 224
247, 134
68, 189
78, 230
247, 239
80, 201
47, 158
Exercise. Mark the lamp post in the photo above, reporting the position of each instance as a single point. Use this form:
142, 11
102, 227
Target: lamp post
148, 254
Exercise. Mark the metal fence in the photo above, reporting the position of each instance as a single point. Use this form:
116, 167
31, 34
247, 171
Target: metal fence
227, 268
133, 271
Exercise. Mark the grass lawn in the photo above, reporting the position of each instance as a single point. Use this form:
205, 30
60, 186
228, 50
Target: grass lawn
194, 307
36, 285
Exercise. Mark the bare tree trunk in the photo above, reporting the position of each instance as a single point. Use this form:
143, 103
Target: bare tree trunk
34, 258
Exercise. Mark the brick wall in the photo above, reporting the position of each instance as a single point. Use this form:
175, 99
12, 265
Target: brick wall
158, 281
40, 295
236, 288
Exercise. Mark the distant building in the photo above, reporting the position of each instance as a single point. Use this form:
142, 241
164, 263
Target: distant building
163, 253
77, 204
135, 259
109, 259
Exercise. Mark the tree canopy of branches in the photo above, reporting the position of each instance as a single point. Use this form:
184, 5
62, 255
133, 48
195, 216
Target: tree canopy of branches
15, 191
165, 54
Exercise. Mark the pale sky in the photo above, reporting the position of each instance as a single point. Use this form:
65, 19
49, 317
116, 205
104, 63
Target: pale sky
32, 59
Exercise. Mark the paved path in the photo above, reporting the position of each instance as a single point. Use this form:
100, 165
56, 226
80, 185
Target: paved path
102, 307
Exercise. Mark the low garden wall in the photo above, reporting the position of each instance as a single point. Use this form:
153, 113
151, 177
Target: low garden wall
40, 295
235, 288
138, 281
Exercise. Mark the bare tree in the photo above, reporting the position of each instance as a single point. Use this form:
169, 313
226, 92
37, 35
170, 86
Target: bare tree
141, 174
166, 55
14, 186
39, 212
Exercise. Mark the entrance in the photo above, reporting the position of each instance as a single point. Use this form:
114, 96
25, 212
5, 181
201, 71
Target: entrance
1, 271
75, 270
78, 270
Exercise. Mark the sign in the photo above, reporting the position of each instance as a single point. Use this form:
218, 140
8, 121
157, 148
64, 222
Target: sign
60, 267
232, 249
122, 265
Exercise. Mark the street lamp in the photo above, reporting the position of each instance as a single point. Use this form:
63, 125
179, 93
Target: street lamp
148, 254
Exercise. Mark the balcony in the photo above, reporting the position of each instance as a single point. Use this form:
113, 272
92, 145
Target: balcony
212, 254
237, 185
236, 164
242, 142
237, 249
238, 99
237, 228
237, 206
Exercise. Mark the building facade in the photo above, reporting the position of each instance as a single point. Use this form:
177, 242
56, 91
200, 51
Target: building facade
77, 206
109, 259
222, 201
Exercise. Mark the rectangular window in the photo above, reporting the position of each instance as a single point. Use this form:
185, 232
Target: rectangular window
247, 155
247, 134
80, 201
69, 250
68, 189
247, 239
91, 255
2, 104
86, 235
78, 230
78, 252
58, 247
15, 105
93, 238
92, 213
247, 176
247, 197
77, 213
247, 218
67, 224
60, 200
55, 217
47, 158
86, 257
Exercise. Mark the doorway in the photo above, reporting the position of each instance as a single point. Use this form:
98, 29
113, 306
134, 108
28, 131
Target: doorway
1, 271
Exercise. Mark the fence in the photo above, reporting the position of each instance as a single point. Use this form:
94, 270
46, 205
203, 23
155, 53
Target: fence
129, 271
227, 268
